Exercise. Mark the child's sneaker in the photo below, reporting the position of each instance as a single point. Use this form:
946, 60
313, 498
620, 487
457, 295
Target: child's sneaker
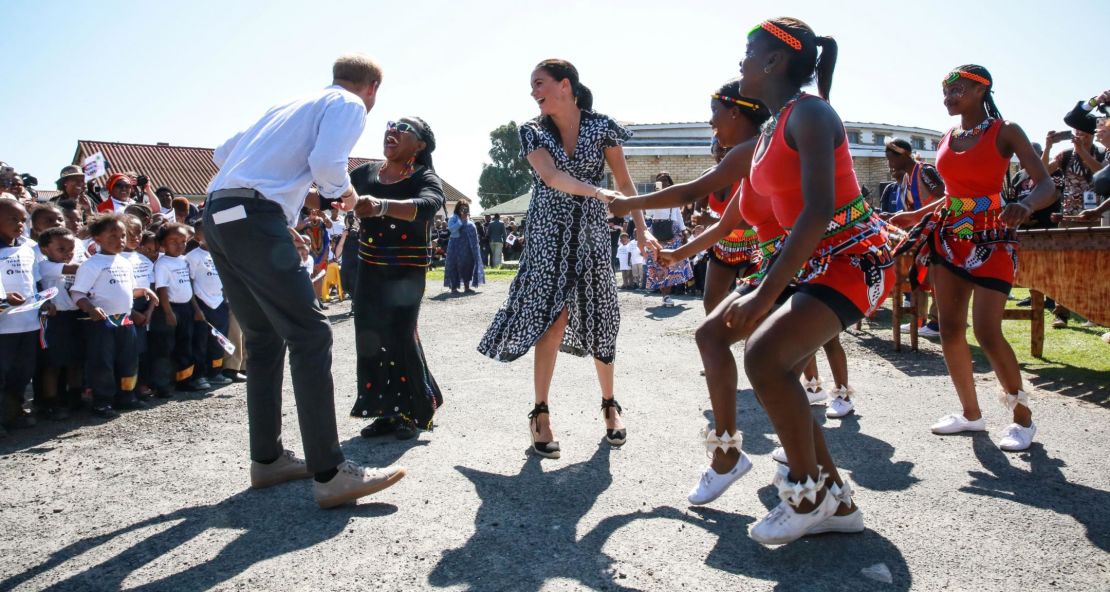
198, 383
219, 380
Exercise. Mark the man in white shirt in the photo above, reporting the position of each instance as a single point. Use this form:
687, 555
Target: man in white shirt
265, 175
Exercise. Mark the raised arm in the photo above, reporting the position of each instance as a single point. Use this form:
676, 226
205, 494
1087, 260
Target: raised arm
736, 165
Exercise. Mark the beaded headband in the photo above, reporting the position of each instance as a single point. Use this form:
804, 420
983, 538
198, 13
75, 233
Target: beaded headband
956, 74
779, 34
741, 102
896, 148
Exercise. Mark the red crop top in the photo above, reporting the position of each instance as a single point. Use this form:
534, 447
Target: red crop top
756, 210
976, 172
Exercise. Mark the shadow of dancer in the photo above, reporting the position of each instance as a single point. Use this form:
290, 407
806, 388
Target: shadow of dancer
525, 529
256, 513
1044, 487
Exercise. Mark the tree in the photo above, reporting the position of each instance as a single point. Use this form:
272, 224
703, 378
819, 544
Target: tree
510, 175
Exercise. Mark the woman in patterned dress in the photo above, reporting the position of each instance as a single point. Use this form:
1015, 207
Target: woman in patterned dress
564, 296
661, 276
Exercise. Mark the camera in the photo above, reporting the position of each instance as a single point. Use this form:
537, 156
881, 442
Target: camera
142, 181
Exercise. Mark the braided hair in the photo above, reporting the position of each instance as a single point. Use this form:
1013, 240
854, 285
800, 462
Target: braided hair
980, 72
729, 96
424, 157
562, 70
804, 64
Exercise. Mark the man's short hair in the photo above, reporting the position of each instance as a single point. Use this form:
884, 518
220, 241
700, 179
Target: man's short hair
356, 68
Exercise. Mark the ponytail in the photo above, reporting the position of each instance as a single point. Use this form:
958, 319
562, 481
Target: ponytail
826, 63
583, 97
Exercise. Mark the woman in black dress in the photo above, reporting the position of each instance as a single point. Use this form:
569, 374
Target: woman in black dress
398, 200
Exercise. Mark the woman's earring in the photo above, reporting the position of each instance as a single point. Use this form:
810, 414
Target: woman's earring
766, 69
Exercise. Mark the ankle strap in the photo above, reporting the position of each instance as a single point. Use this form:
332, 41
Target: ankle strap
793, 492
538, 410
724, 441
1011, 401
610, 403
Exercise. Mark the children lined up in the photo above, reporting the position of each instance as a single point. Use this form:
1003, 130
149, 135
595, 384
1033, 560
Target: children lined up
132, 317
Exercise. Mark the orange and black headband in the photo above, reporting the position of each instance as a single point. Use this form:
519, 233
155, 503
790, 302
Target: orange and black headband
746, 104
955, 75
779, 34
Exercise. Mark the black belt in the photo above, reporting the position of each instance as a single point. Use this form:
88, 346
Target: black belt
249, 193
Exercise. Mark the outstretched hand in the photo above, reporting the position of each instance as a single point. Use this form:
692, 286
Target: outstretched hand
745, 313
621, 206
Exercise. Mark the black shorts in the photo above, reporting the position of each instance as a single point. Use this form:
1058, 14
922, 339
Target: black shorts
65, 341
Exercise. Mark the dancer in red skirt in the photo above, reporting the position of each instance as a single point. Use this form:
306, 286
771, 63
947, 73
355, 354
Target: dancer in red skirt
839, 245
970, 242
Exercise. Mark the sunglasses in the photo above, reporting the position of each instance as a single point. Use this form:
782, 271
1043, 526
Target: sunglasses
402, 127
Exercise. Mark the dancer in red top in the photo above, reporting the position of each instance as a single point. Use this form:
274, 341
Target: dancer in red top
836, 241
970, 242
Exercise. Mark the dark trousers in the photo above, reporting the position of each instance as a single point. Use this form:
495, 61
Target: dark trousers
17, 365
142, 337
208, 354
171, 348
273, 300
111, 362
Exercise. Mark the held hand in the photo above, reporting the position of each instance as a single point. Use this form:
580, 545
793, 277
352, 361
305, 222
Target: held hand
152, 296
138, 318
745, 313
666, 257
621, 206
1090, 215
15, 298
903, 219
367, 207
98, 314
347, 200
1049, 140
1015, 214
50, 309
607, 195
171, 319
649, 243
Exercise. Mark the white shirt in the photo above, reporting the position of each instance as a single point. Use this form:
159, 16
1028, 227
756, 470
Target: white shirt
108, 281
662, 214
634, 256
336, 229
623, 257
52, 277
21, 272
144, 268
172, 273
206, 280
303, 141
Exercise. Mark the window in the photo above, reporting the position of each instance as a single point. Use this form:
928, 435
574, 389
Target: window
918, 142
647, 187
936, 145
878, 139
854, 138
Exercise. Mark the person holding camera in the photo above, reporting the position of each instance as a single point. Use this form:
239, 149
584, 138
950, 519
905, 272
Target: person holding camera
123, 188
1077, 167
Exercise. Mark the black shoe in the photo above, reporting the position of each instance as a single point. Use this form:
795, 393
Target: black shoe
219, 380
23, 421
144, 397
1025, 302
163, 393
405, 431
613, 437
1049, 304
544, 449
379, 427
105, 412
197, 384
236, 376
130, 405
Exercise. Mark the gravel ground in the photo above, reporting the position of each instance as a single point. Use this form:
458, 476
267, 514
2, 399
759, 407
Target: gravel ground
158, 499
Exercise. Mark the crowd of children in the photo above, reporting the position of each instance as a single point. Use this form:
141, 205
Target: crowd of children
137, 312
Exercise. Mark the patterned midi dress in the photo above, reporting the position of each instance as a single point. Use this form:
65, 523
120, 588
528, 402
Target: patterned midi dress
567, 259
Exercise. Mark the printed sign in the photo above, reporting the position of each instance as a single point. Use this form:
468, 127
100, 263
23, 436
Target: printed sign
95, 166
34, 302
223, 341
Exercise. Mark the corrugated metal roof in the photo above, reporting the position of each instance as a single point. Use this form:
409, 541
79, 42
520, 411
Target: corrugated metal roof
186, 170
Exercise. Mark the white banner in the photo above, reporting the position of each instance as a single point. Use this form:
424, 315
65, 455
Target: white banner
95, 166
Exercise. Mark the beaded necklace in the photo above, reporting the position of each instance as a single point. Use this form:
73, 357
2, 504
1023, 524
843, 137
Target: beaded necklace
770, 125
959, 132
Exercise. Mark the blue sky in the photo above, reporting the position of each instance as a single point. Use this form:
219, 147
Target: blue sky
192, 73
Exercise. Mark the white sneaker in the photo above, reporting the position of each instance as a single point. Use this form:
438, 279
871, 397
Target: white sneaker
848, 523
1016, 438
286, 468
353, 482
667, 302
927, 331
840, 406
905, 328
956, 423
779, 455
712, 484
782, 524
816, 394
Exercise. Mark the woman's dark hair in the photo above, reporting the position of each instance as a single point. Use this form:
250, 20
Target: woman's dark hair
804, 64
902, 144
757, 112
988, 97
562, 70
424, 157
48, 235
103, 221
665, 176
462, 203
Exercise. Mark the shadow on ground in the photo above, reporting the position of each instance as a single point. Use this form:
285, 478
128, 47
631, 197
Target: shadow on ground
1043, 487
250, 511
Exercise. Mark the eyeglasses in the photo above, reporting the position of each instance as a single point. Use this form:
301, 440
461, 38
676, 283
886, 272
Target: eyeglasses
402, 127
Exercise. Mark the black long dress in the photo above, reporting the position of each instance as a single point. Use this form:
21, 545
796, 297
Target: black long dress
393, 376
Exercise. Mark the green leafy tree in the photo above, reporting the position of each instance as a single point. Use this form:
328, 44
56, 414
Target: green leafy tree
509, 176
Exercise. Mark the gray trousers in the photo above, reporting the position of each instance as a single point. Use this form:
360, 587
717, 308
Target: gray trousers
272, 297
495, 250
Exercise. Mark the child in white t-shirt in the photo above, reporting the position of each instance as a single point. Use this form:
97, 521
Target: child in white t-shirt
208, 290
636, 261
171, 331
624, 260
104, 289
19, 332
143, 308
59, 377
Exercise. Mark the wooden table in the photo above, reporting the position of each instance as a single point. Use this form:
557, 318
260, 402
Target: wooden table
903, 266
1072, 265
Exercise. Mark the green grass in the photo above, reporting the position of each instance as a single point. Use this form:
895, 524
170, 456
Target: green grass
492, 275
